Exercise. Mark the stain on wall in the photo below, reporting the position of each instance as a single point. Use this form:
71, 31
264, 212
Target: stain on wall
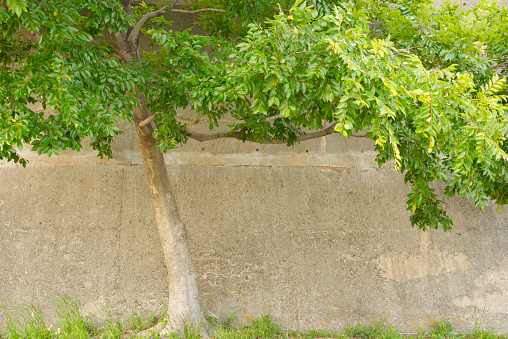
429, 261
490, 290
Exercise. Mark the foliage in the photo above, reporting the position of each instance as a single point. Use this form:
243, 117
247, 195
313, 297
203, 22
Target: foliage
470, 38
48, 55
427, 85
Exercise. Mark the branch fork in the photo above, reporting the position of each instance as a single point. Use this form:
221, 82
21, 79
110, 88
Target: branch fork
134, 34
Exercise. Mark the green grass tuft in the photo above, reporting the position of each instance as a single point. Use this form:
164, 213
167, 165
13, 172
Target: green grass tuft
377, 330
34, 326
262, 327
72, 323
441, 328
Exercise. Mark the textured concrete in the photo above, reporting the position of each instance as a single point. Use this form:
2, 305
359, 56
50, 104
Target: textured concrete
315, 234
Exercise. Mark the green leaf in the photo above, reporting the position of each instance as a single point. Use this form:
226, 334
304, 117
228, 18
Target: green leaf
17, 6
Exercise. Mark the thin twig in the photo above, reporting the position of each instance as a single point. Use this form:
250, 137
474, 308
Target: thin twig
497, 66
280, 9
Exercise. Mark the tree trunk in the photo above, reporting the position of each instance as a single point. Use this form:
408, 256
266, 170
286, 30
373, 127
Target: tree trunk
183, 303
184, 307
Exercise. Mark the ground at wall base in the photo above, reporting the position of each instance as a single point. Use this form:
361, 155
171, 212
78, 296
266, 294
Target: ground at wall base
28, 322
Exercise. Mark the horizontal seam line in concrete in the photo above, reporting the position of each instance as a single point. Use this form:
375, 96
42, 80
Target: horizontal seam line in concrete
55, 164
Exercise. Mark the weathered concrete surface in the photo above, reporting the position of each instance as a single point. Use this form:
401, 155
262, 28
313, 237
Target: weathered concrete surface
315, 234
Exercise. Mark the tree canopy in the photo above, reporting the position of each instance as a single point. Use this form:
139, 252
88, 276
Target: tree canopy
426, 84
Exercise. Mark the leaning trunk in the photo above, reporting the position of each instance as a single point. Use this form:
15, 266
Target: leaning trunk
183, 304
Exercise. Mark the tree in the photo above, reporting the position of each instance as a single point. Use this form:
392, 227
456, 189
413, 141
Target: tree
425, 84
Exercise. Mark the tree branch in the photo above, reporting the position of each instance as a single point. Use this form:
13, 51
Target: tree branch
134, 34
197, 120
177, 118
497, 66
145, 122
240, 122
188, 121
220, 135
198, 10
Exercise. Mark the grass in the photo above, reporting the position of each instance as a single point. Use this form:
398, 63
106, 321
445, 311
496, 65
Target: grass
139, 323
377, 330
262, 327
27, 322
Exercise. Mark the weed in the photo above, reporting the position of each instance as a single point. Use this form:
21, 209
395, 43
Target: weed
112, 328
320, 334
11, 327
227, 324
377, 330
487, 333
421, 333
72, 323
262, 327
481, 332
365, 332
441, 328
265, 327
29, 324
191, 330
163, 318
137, 322
34, 326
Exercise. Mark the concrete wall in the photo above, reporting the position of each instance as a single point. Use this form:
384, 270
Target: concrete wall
317, 235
